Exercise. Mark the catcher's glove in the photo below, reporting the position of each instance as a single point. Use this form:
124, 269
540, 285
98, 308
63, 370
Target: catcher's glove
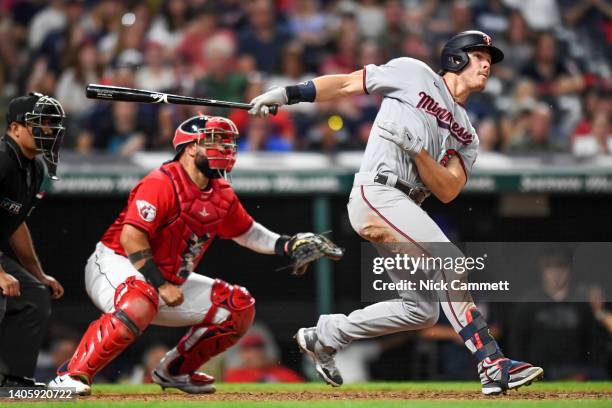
306, 247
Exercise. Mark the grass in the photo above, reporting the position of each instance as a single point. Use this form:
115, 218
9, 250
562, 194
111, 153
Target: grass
425, 395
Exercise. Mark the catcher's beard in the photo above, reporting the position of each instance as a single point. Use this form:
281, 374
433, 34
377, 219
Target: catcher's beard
202, 163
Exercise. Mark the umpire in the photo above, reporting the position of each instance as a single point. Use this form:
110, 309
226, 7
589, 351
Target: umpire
35, 126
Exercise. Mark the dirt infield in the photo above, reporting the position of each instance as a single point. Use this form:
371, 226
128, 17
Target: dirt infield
349, 395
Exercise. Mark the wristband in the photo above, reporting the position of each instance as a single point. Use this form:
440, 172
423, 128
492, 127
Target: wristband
152, 274
304, 92
279, 246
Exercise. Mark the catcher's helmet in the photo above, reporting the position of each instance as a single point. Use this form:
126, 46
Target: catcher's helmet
454, 54
215, 133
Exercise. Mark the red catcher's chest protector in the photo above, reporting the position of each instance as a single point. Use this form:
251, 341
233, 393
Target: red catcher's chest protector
179, 244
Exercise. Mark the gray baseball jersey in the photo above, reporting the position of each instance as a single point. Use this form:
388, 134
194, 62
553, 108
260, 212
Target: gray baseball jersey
416, 97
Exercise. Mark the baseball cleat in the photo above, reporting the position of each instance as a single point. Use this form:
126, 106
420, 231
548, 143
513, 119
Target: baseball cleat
194, 383
323, 357
502, 374
65, 381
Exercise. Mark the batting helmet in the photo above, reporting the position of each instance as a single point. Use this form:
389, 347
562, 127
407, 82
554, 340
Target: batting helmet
454, 54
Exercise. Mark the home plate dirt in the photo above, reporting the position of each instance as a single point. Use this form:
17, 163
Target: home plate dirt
349, 395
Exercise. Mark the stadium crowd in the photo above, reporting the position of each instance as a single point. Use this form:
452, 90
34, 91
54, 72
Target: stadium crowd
551, 94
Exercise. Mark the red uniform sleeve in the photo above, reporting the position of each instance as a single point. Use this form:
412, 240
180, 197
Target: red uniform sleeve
152, 204
237, 221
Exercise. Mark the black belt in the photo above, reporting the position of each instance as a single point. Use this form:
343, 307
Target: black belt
416, 194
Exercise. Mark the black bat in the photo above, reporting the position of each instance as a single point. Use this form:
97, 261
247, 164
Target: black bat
118, 93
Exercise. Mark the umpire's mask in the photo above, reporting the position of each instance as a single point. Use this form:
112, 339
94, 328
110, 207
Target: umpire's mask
47, 122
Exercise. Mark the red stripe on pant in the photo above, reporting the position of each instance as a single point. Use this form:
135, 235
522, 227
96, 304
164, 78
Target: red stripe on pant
402, 233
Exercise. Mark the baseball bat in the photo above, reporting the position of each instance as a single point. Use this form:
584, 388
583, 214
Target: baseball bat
118, 93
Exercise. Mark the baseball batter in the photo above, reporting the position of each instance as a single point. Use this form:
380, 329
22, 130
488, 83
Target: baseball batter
422, 143
141, 271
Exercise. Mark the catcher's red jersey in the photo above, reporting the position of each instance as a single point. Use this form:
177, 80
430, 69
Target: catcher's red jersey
180, 219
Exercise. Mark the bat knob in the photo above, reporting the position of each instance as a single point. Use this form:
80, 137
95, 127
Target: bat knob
273, 109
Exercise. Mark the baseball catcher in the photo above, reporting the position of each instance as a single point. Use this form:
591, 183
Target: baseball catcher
141, 271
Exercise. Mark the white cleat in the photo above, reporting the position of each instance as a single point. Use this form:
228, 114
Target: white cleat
66, 382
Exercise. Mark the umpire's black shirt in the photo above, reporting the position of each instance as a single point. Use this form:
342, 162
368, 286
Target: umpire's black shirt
20, 181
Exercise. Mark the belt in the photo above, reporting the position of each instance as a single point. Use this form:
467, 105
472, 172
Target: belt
416, 194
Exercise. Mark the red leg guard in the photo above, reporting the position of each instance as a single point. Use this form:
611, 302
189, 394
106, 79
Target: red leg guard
207, 339
136, 304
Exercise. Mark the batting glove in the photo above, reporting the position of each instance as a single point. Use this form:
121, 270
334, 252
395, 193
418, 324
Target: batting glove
261, 104
401, 136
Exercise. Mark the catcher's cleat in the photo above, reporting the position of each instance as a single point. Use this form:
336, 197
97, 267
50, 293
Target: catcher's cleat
322, 356
65, 382
193, 383
502, 374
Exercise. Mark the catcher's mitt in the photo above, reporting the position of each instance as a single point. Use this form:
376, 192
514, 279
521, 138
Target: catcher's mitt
306, 247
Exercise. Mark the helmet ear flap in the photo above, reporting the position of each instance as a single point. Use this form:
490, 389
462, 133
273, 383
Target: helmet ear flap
454, 59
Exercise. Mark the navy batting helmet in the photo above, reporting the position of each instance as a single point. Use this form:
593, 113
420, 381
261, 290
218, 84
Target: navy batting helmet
454, 54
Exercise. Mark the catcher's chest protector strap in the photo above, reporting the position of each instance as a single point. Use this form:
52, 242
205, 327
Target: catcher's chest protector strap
208, 339
478, 332
136, 304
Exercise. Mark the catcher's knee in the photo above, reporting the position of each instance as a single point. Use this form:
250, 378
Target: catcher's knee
136, 304
376, 233
238, 302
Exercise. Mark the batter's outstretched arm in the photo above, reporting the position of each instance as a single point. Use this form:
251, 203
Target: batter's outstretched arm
444, 182
320, 89
330, 87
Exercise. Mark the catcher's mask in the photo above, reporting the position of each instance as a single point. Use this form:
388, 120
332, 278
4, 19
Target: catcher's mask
217, 135
45, 116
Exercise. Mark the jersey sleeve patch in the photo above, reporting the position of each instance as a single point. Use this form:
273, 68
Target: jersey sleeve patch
146, 210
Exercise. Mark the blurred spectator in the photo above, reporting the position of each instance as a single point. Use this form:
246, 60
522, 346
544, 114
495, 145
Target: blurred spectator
257, 364
536, 137
263, 38
552, 75
200, 30
559, 317
541, 15
49, 19
155, 75
371, 18
599, 141
517, 46
84, 70
392, 38
141, 373
346, 44
261, 134
168, 27
221, 81
307, 23
492, 17
488, 135
120, 128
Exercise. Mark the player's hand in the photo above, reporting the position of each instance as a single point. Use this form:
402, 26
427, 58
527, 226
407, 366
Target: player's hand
306, 247
171, 294
401, 136
275, 96
9, 285
57, 291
